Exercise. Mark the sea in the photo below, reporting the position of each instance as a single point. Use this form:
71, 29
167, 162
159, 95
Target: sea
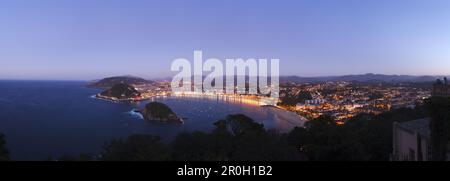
49, 119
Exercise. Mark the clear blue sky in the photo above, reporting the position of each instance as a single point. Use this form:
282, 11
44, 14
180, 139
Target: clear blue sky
91, 39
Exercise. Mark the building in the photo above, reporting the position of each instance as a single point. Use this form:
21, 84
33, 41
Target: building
411, 141
314, 102
441, 88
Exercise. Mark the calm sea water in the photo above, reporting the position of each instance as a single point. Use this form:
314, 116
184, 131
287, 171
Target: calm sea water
53, 118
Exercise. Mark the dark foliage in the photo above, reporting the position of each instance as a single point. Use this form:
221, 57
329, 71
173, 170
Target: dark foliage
109, 82
304, 96
121, 91
239, 138
375, 95
439, 108
291, 99
235, 138
4, 153
365, 137
136, 148
157, 110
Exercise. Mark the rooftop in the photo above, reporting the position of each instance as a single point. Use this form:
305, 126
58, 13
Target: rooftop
422, 126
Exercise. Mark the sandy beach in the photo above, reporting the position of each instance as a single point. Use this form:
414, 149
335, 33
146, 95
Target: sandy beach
286, 120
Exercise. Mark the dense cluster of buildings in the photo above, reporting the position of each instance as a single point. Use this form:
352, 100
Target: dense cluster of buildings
163, 88
344, 100
158, 88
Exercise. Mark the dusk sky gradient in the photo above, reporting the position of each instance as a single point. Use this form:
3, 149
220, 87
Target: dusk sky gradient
92, 39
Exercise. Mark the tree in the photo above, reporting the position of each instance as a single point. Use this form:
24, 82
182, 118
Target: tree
375, 95
235, 138
364, 137
328, 141
304, 96
252, 142
439, 108
199, 146
81, 157
4, 153
136, 148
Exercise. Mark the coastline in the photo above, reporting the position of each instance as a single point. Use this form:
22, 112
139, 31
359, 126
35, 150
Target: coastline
287, 120
177, 120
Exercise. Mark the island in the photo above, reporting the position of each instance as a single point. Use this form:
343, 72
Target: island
120, 92
156, 111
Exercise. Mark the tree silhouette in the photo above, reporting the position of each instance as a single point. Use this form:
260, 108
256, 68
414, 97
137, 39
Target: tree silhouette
4, 153
136, 148
235, 138
439, 108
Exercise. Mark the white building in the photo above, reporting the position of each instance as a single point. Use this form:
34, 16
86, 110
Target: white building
411, 141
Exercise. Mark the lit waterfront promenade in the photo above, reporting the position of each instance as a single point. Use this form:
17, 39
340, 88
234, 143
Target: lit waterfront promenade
245, 99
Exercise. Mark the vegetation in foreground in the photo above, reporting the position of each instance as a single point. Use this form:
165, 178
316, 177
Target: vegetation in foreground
365, 137
439, 109
238, 138
4, 154
235, 138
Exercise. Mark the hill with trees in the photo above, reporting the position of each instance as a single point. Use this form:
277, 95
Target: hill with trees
120, 91
156, 111
109, 82
4, 153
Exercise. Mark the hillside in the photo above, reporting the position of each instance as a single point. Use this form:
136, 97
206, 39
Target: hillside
156, 111
109, 82
121, 91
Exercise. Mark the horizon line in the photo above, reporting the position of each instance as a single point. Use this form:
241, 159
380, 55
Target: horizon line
155, 78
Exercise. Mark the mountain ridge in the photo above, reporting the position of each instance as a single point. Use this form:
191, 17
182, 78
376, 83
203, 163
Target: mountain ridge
369, 77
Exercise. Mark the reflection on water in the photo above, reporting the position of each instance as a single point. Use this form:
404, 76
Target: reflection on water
212, 109
42, 119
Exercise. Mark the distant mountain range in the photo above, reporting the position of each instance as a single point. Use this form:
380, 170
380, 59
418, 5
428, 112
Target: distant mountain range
109, 82
362, 78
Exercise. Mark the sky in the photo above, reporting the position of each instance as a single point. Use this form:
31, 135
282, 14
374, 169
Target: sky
92, 39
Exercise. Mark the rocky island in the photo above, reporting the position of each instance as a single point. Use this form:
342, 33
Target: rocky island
120, 92
156, 111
